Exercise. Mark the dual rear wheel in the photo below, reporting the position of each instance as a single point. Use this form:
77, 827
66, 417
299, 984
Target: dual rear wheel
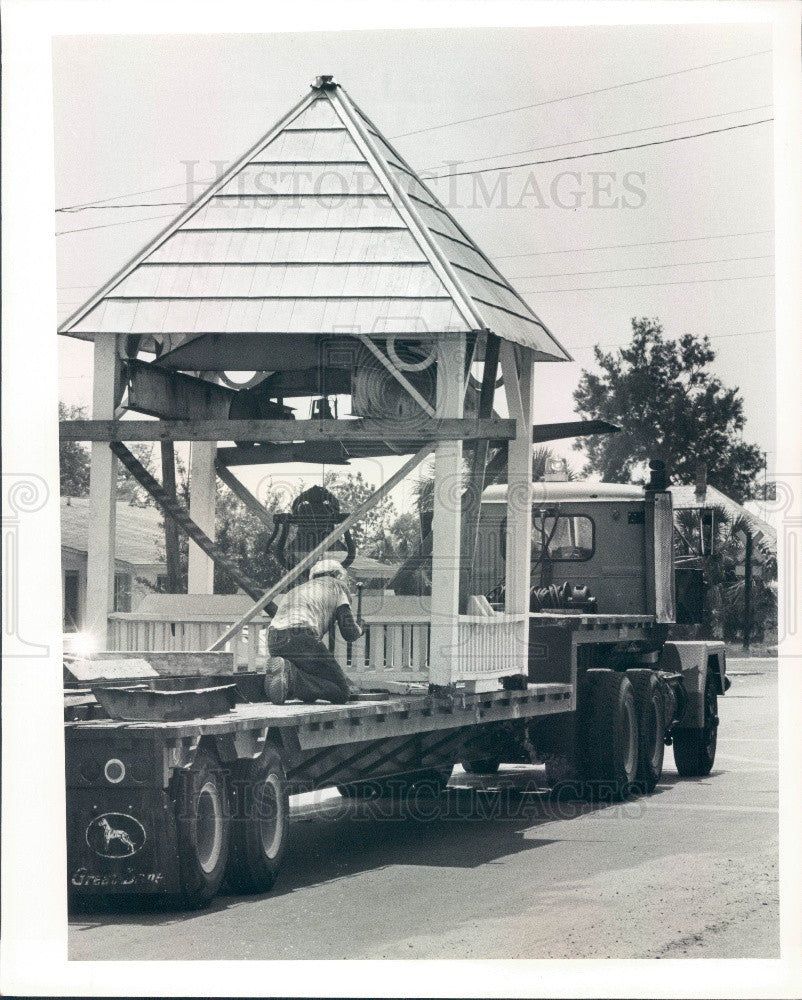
230, 826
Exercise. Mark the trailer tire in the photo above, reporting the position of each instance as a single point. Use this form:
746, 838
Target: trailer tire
651, 712
261, 812
608, 735
203, 829
695, 749
488, 765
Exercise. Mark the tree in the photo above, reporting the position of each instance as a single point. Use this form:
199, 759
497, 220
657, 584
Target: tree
369, 534
73, 457
670, 407
75, 461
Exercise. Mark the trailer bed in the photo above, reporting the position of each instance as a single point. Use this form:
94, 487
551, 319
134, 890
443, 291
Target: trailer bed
321, 724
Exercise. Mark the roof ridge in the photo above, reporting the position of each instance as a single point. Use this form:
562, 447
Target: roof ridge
434, 255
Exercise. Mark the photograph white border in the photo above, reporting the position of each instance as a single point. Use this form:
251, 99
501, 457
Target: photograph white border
33, 952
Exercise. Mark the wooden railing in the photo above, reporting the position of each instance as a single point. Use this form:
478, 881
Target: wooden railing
390, 650
150, 631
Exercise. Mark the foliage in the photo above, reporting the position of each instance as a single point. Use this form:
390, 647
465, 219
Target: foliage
371, 534
670, 407
75, 461
73, 457
724, 573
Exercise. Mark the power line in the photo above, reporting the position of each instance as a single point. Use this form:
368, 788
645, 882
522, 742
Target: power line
608, 135
647, 284
708, 336
108, 225
584, 93
621, 246
130, 194
641, 267
600, 152
140, 204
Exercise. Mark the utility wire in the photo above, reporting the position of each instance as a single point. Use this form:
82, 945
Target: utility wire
640, 267
599, 152
647, 284
620, 246
608, 135
708, 336
584, 93
140, 204
108, 225
130, 194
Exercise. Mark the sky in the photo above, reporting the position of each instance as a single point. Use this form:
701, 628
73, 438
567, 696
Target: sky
681, 231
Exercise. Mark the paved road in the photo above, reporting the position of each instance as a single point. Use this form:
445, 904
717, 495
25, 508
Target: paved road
690, 872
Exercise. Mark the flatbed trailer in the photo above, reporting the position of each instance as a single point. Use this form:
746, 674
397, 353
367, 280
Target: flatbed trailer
142, 821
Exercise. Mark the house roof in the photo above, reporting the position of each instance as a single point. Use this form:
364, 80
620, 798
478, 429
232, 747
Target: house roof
322, 227
686, 498
140, 538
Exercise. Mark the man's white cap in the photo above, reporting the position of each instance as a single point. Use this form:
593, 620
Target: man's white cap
328, 567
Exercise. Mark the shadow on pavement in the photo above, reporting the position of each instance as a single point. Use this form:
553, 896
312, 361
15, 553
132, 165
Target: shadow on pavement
478, 820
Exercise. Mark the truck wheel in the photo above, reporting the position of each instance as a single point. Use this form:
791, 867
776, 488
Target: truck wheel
608, 735
695, 749
650, 709
261, 810
203, 831
489, 765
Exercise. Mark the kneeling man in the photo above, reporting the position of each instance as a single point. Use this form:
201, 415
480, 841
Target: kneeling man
308, 670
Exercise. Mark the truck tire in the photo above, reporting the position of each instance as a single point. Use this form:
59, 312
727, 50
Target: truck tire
651, 711
261, 814
488, 765
608, 735
695, 749
203, 828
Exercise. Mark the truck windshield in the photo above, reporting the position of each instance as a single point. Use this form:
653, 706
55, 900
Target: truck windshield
561, 537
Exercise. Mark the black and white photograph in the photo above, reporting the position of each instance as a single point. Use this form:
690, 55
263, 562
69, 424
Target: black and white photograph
402, 505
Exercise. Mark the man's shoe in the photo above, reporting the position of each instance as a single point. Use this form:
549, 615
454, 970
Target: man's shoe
279, 684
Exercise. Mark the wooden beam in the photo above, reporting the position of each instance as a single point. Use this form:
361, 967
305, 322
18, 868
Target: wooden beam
472, 499
398, 375
175, 396
243, 494
202, 504
446, 565
571, 428
171, 547
179, 514
102, 497
311, 557
285, 431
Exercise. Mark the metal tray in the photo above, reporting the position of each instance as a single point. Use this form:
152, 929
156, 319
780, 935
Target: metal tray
140, 703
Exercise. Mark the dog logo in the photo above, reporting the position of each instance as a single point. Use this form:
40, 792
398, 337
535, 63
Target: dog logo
115, 835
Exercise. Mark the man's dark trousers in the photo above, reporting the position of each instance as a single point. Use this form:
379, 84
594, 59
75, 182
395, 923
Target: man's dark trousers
316, 673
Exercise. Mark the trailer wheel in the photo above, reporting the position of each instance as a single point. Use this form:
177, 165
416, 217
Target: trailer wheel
608, 735
695, 749
488, 765
650, 709
203, 831
261, 810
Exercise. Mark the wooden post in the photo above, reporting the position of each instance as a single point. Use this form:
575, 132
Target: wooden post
103, 497
519, 388
202, 487
171, 548
472, 499
447, 515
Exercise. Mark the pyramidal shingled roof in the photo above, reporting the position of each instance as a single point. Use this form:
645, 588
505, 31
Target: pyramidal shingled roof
321, 227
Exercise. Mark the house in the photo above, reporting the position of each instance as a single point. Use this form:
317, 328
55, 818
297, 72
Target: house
140, 564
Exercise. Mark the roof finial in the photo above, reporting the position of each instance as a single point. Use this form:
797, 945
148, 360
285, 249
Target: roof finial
324, 83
